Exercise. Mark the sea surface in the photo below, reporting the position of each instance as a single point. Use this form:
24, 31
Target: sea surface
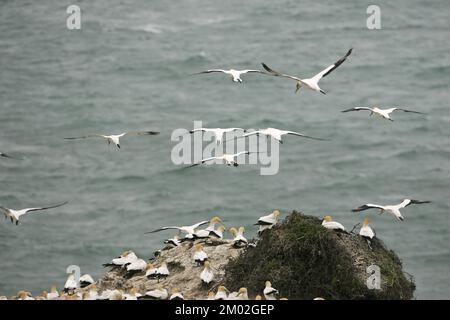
129, 68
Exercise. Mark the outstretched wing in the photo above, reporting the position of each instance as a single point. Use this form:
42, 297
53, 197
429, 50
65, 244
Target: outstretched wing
367, 206
164, 228
279, 74
85, 137
417, 202
202, 161
405, 110
210, 70
357, 109
195, 226
45, 208
142, 133
304, 136
330, 68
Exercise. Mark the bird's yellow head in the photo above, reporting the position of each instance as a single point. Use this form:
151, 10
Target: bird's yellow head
53, 289
207, 264
276, 214
328, 218
221, 228
366, 221
198, 247
150, 266
175, 290
222, 289
233, 231
215, 220
243, 290
258, 297
268, 284
241, 229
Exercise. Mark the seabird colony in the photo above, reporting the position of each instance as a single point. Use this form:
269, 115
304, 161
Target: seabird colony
133, 266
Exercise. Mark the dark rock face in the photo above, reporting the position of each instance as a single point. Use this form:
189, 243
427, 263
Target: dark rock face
303, 260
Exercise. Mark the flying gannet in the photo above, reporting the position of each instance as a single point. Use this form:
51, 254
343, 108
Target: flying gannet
235, 74
269, 292
218, 132
277, 134
383, 113
189, 230
207, 275
228, 159
176, 294
311, 83
86, 280
393, 210
239, 240
221, 293
200, 256
330, 224
366, 231
115, 138
15, 215
267, 222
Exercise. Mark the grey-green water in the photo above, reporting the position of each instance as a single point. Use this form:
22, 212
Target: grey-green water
128, 68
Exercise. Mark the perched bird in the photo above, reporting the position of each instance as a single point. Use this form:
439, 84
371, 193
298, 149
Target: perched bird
133, 294
188, 230
125, 258
159, 294
86, 280
258, 297
366, 231
211, 295
218, 132
53, 294
207, 275
221, 293
151, 271
383, 113
200, 256
235, 74
217, 233
228, 159
310, 83
277, 134
240, 295
267, 222
135, 267
162, 271
15, 215
239, 240
207, 232
71, 282
328, 223
24, 295
176, 294
116, 295
393, 209
115, 138
269, 292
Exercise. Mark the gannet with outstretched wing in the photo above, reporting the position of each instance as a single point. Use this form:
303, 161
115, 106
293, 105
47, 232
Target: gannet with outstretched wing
15, 215
277, 134
383, 113
115, 138
235, 74
393, 209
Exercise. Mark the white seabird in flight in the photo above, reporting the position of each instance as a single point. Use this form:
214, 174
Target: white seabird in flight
277, 133
228, 159
311, 83
189, 230
15, 215
207, 275
366, 231
267, 222
218, 132
330, 224
115, 138
235, 74
393, 209
383, 113
269, 292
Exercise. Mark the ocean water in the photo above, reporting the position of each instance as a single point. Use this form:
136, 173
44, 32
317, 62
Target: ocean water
129, 67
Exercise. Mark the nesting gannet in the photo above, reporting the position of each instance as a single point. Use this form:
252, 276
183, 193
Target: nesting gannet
240, 295
15, 215
133, 294
235, 74
158, 293
71, 282
330, 224
258, 297
24, 295
217, 233
239, 240
207, 275
200, 256
53, 294
151, 271
205, 233
383, 113
393, 209
122, 260
175, 241
210, 296
218, 132
137, 266
162, 271
269, 292
311, 83
115, 138
189, 230
86, 280
267, 222
277, 134
176, 294
366, 231
228, 159
221, 293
